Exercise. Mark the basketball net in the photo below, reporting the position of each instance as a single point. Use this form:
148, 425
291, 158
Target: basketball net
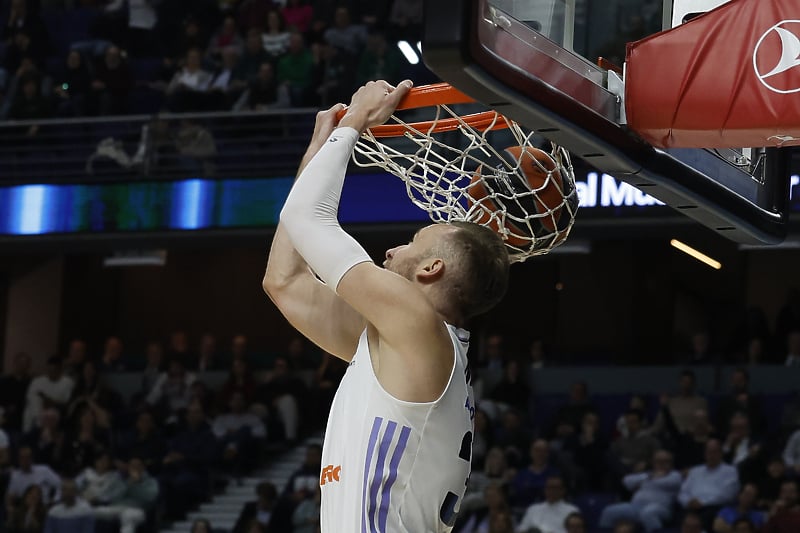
443, 160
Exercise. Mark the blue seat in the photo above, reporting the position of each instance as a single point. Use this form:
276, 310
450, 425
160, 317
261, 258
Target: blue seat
592, 504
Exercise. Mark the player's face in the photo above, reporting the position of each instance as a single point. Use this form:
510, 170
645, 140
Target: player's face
405, 259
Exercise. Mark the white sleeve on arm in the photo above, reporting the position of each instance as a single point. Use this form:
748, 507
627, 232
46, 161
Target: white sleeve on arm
310, 214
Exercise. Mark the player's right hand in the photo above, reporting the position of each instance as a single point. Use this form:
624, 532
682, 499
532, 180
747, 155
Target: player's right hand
373, 104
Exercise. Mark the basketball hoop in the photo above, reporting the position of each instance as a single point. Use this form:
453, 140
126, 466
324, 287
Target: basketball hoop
453, 171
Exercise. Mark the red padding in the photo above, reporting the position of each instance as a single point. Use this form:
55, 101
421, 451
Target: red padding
729, 78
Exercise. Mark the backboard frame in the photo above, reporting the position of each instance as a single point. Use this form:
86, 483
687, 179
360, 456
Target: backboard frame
560, 95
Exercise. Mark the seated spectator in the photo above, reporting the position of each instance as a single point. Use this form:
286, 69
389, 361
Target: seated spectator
740, 400
299, 356
29, 103
513, 437
144, 442
76, 351
511, 391
793, 348
111, 360
529, 483
769, 484
784, 517
742, 450
298, 16
345, 35
201, 525
172, 392
154, 367
133, 22
405, 19
482, 439
13, 390
791, 452
131, 503
302, 485
305, 518
92, 392
264, 92
53, 389
550, 515
252, 58
692, 523
275, 39
239, 432
72, 514
28, 515
683, 406
258, 511
334, 74
100, 483
630, 453
26, 474
378, 60
48, 440
283, 393
476, 516
72, 92
575, 523
689, 446
636, 403
208, 357
495, 472
625, 526
224, 91
501, 522
654, 495
295, 70
113, 82
188, 89
569, 417
743, 525
23, 45
588, 451
185, 475
744, 509
193, 36
87, 440
227, 37
709, 486
179, 341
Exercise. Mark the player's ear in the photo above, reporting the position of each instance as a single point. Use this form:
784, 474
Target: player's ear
431, 269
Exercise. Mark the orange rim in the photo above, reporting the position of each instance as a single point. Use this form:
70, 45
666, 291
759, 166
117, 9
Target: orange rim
432, 95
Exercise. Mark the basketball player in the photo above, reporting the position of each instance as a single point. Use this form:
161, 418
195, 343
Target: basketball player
397, 449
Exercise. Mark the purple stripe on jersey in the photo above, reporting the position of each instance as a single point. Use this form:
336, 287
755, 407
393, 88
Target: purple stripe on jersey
387, 488
377, 479
373, 438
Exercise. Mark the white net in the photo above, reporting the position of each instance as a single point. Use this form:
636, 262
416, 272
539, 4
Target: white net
490, 173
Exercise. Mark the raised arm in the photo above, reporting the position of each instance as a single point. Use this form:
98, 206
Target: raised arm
311, 307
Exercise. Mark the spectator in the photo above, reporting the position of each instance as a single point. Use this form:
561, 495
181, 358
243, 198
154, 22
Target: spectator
240, 380
188, 89
172, 392
47, 440
87, 440
298, 16
575, 523
298, 355
305, 518
258, 511
264, 91
769, 485
29, 103
72, 514
224, 91
740, 399
295, 70
550, 515
26, 474
302, 485
191, 38
625, 526
239, 348
793, 348
654, 495
253, 57
743, 525
71, 93
784, 517
227, 37
631, 453
741, 449
283, 392
28, 516
13, 390
208, 359
692, 523
53, 389
111, 359
501, 522
154, 367
134, 21
179, 345
689, 447
23, 16
239, 433
569, 417
23, 45
588, 450
90, 390
5, 444
701, 353
512, 437
334, 74
275, 39
511, 391
791, 452
378, 61
327, 376
76, 351
482, 440
744, 509
476, 515
201, 525
112, 83
495, 472
709, 486
185, 475
344, 34
636, 403
529, 483
131, 503
683, 406
144, 442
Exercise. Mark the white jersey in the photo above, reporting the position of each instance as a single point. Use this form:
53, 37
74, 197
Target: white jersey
390, 466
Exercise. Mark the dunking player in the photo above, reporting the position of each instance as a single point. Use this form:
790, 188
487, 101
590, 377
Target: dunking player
397, 448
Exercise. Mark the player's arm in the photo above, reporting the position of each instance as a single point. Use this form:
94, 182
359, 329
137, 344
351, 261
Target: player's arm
311, 307
406, 321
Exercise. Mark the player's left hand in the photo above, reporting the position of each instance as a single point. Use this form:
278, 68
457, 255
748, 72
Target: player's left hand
374, 103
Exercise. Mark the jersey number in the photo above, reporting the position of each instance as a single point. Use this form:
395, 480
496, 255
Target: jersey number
448, 511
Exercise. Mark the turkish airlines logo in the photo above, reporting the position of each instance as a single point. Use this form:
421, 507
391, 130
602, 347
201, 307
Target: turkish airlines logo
776, 58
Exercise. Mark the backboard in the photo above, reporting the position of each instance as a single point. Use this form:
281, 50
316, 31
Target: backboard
535, 61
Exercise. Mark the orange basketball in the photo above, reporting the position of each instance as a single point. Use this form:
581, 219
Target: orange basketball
536, 190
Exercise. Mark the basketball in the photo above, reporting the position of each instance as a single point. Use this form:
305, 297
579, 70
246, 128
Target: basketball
538, 190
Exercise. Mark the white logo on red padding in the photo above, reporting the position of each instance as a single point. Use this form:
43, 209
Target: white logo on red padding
776, 58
